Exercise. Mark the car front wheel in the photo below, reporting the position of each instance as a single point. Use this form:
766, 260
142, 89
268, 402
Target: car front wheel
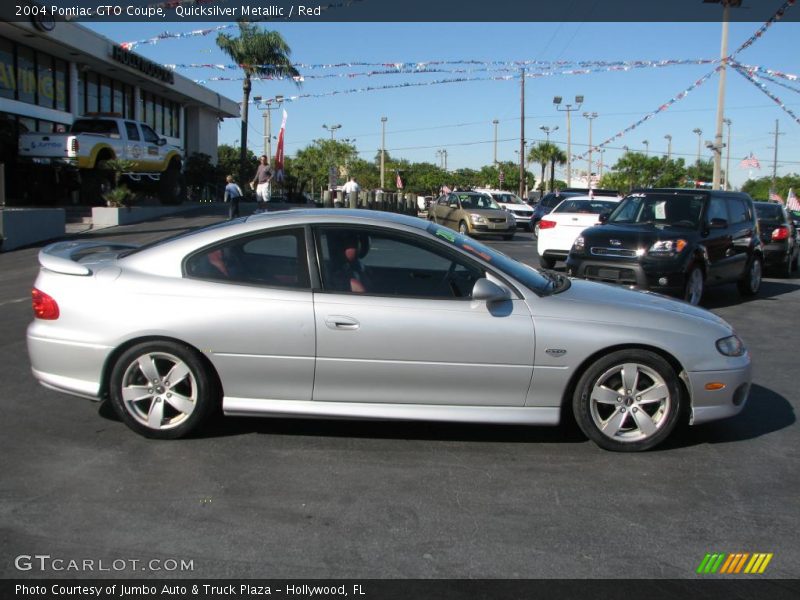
463, 229
693, 291
162, 390
628, 401
750, 283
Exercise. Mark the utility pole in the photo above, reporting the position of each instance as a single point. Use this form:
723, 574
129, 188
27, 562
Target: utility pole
646, 147
775, 157
332, 129
383, 152
522, 134
591, 116
717, 147
728, 122
266, 108
495, 123
568, 109
699, 133
668, 137
602, 151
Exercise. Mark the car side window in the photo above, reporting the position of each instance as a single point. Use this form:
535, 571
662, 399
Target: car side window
386, 263
150, 136
273, 259
717, 209
132, 131
739, 211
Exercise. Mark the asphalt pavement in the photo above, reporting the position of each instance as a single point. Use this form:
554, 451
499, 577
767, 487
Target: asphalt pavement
295, 498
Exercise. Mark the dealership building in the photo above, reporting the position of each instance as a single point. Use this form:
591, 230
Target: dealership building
54, 72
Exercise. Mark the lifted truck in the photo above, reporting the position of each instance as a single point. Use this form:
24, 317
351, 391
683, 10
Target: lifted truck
94, 140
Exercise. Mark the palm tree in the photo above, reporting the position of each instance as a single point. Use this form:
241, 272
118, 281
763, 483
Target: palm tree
539, 154
259, 53
547, 153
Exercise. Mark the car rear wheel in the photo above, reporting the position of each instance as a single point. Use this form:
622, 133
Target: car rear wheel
693, 292
628, 401
750, 283
547, 263
162, 390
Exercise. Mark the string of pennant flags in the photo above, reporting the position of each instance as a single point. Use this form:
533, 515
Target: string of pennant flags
760, 85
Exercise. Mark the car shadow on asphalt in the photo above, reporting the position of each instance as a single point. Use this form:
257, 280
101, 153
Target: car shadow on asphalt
765, 412
727, 295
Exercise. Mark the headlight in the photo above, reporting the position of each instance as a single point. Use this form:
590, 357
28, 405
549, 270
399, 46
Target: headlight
667, 247
578, 244
731, 346
478, 219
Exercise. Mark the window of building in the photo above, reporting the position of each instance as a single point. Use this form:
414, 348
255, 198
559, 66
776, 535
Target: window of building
61, 73
105, 95
118, 96
45, 80
92, 93
26, 75
8, 80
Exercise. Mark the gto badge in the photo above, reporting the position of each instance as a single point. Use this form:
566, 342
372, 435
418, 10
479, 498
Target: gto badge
555, 351
615, 242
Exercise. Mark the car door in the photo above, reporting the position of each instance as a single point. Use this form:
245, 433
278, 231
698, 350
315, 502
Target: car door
251, 312
718, 241
153, 149
742, 229
135, 149
412, 335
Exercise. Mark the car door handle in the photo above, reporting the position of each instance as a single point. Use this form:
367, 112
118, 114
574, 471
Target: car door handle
341, 322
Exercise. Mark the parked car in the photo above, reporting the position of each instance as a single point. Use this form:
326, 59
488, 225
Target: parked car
779, 236
522, 212
358, 314
558, 230
674, 241
474, 214
552, 199
94, 140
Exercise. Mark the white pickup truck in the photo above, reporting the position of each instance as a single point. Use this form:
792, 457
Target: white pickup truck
92, 141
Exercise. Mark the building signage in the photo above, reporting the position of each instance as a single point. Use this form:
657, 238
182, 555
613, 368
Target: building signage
140, 63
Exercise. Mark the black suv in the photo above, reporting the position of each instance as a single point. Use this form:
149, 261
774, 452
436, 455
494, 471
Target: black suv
674, 241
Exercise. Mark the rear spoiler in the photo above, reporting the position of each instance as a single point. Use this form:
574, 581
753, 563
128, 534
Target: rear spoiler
63, 257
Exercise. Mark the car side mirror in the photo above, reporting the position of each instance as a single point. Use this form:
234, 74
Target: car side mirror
718, 224
161, 141
604, 217
489, 291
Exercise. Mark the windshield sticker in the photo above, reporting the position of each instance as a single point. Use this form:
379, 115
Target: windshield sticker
483, 255
450, 237
661, 211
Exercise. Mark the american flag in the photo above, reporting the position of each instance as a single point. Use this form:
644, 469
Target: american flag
399, 181
791, 201
773, 195
751, 162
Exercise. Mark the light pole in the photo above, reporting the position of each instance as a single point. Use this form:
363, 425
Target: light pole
699, 133
383, 152
266, 107
332, 129
590, 116
568, 109
547, 131
646, 147
668, 137
602, 151
495, 123
728, 122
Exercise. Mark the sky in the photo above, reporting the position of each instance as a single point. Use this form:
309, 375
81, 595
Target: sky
423, 120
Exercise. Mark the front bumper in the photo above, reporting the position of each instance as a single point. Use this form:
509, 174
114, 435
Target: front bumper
664, 276
708, 405
479, 230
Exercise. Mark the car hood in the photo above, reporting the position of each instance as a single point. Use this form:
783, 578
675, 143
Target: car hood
615, 304
634, 236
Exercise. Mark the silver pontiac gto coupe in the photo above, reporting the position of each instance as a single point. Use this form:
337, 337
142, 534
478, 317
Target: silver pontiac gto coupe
359, 314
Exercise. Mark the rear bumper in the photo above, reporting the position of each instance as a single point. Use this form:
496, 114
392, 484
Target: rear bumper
710, 405
775, 254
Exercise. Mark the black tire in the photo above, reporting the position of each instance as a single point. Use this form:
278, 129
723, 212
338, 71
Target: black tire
546, 262
178, 407
750, 282
638, 423
695, 286
796, 263
171, 188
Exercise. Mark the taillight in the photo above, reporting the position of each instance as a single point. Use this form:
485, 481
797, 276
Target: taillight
780, 233
44, 306
546, 224
74, 146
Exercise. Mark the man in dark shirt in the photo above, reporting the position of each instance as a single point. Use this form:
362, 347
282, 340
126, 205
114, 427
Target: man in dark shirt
262, 182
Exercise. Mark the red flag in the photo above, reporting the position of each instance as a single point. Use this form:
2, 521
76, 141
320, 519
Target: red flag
279, 151
399, 181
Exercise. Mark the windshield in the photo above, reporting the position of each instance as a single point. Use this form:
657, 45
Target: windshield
477, 201
769, 212
673, 210
508, 198
542, 283
593, 207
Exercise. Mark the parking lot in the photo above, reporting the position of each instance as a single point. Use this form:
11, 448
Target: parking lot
324, 499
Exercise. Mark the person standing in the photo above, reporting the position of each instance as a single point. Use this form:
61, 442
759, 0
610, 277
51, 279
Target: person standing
349, 188
263, 180
233, 193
